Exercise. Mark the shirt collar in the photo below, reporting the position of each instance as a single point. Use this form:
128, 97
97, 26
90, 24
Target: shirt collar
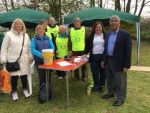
52, 26
12, 30
115, 32
77, 28
98, 35
42, 37
63, 35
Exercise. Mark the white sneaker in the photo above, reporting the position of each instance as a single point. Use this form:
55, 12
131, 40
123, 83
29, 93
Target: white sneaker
14, 96
26, 94
60, 77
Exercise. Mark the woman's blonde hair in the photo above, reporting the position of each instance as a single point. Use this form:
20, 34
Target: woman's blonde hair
37, 27
18, 20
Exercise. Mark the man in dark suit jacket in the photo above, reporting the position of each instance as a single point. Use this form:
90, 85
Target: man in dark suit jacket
117, 61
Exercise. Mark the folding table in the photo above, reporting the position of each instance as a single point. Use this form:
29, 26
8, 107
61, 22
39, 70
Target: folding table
55, 66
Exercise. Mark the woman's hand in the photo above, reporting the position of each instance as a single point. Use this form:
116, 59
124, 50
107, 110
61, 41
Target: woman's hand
70, 53
30, 61
4, 67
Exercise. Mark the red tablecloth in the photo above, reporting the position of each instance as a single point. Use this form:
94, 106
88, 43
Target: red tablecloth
56, 66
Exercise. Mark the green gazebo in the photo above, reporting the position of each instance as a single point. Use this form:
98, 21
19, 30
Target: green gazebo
29, 16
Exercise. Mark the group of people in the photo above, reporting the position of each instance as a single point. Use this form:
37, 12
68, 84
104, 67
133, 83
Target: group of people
109, 53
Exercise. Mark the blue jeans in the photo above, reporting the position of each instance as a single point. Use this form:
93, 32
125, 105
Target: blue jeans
98, 72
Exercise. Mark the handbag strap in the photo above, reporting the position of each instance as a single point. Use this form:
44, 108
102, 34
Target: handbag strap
22, 47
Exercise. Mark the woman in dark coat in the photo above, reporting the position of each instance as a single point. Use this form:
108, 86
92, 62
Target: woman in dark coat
96, 43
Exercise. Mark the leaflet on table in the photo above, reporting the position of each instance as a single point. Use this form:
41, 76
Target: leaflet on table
81, 58
64, 63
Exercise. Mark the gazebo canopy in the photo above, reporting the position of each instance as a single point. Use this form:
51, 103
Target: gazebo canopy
29, 16
97, 13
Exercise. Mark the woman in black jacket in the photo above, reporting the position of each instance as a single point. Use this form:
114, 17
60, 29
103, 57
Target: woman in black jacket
96, 43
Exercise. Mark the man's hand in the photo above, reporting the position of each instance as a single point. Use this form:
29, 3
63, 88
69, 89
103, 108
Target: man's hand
102, 64
125, 70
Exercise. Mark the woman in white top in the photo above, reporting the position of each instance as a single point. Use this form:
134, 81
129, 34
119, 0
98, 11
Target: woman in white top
10, 51
96, 49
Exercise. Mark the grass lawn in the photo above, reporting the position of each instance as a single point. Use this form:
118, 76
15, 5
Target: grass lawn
144, 53
138, 96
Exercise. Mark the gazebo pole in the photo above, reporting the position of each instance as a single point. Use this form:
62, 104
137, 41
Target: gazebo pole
138, 41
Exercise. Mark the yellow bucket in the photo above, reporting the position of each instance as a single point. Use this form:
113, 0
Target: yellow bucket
48, 56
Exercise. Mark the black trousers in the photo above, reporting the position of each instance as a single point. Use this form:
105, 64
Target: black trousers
41, 74
98, 73
83, 70
116, 80
14, 82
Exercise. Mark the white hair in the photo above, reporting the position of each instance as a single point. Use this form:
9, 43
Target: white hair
76, 19
115, 16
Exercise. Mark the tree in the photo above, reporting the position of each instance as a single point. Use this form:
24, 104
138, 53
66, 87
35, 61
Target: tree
5, 4
142, 6
101, 3
117, 5
12, 4
128, 6
60, 8
136, 6
124, 5
70, 6
60, 17
92, 3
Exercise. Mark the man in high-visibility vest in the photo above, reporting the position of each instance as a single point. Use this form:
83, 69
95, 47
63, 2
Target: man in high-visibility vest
52, 29
78, 43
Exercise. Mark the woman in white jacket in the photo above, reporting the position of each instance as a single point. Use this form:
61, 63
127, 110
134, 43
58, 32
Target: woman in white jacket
10, 50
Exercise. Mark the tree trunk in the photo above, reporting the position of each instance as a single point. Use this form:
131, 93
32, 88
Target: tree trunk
142, 6
136, 5
92, 3
128, 6
6, 5
101, 3
60, 18
117, 5
124, 3
12, 4
24, 2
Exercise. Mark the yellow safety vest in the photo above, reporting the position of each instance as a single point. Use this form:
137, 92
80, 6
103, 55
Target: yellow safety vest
50, 30
62, 46
78, 39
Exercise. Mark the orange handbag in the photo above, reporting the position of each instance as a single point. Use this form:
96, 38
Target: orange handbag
5, 84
